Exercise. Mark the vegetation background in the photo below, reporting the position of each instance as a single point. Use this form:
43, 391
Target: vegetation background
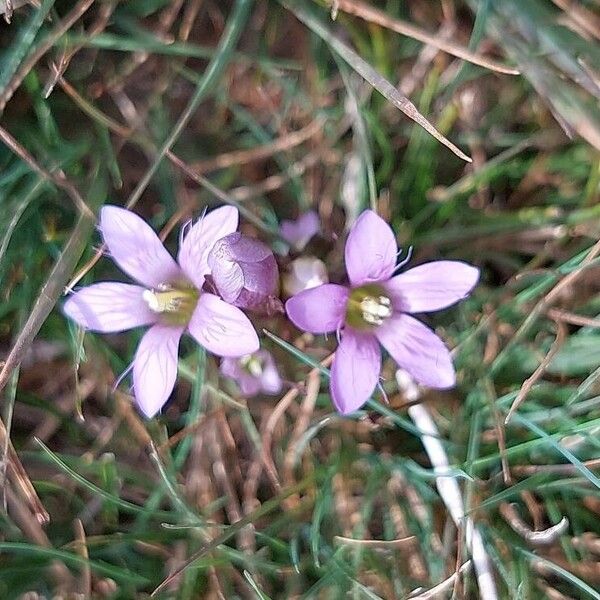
277, 106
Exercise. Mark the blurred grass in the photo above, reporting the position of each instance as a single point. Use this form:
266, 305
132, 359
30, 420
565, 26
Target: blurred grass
128, 106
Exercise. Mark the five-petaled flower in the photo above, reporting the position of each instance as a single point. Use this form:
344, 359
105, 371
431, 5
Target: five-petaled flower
169, 297
253, 373
374, 309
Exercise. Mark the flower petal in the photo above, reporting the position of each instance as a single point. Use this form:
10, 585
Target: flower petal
320, 309
199, 240
228, 278
355, 370
155, 368
418, 350
239, 264
135, 247
270, 379
371, 250
221, 328
298, 233
432, 286
109, 307
247, 383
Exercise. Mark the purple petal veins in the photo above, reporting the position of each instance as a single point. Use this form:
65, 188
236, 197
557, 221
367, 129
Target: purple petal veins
244, 271
371, 250
355, 370
373, 310
202, 236
170, 299
155, 367
221, 328
109, 307
135, 247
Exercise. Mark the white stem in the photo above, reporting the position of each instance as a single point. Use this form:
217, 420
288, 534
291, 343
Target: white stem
448, 488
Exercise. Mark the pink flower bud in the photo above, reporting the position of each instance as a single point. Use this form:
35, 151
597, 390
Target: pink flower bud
245, 273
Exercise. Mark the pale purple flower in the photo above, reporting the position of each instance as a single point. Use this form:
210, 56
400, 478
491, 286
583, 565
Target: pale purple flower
299, 232
245, 273
375, 309
168, 296
253, 373
304, 273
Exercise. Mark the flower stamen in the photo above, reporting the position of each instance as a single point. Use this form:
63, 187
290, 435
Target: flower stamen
375, 309
175, 305
368, 307
251, 364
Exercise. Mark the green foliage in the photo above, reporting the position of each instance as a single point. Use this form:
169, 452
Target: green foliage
168, 111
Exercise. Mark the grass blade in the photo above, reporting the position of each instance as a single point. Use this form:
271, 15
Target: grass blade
372, 76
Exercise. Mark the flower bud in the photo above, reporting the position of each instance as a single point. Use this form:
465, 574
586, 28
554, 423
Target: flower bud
304, 273
253, 373
299, 232
245, 273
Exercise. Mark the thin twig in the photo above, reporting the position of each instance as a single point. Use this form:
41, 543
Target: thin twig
302, 422
57, 178
372, 15
49, 295
33, 531
499, 427
48, 42
444, 585
104, 13
371, 75
281, 144
563, 469
586, 19
374, 544
14, 474
544, 537
556, 314
561, 332
545, 303
80, 546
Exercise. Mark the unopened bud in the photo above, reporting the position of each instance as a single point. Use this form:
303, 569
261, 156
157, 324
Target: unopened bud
304, 273
245, 273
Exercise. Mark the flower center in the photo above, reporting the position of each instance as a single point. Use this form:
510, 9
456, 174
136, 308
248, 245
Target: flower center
174, 304
375, 310
252, 365
368, 307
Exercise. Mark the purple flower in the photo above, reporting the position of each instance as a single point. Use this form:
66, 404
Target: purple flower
298, 233
169, 298
253, 373
374, 309
245, 274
